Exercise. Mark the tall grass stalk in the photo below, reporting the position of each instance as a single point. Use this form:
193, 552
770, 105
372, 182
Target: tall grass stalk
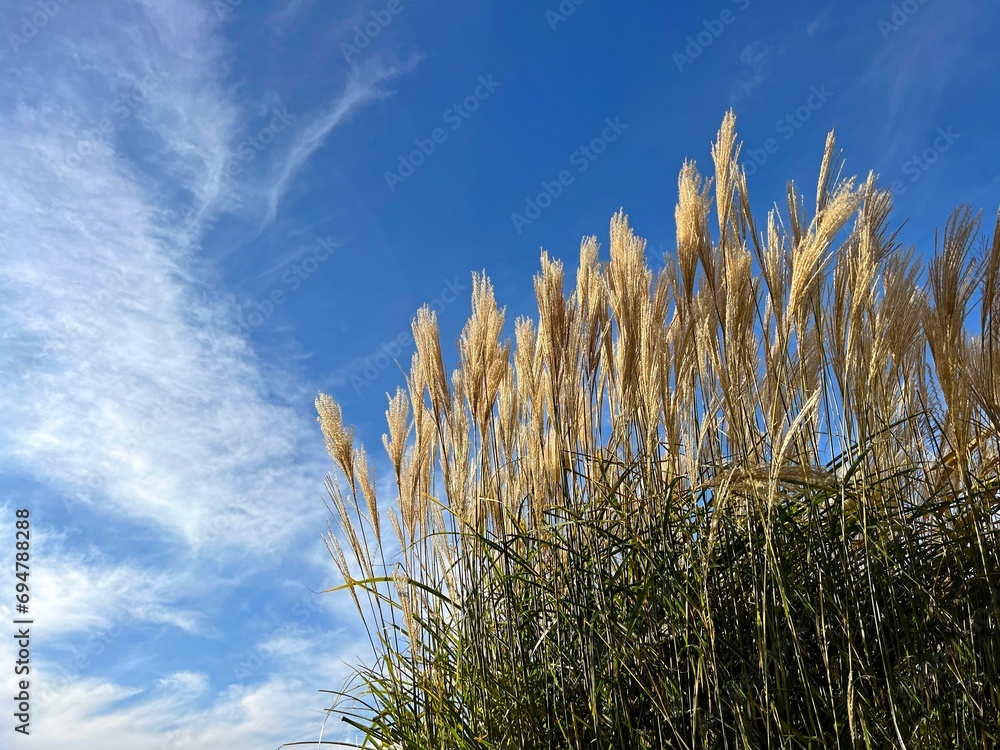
747, 501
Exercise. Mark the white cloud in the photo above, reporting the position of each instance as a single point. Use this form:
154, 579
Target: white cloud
820, 22
912, 71
130, 384
128, 390
136, 409
180, 711
287, 13
72, 592
362, 87
755, 57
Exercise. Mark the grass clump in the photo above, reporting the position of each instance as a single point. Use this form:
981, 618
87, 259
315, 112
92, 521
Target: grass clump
747, 501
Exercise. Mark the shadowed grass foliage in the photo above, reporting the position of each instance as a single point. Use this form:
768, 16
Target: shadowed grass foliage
749, 500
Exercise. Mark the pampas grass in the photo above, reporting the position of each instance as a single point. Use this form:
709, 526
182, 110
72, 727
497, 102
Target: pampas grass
749, 500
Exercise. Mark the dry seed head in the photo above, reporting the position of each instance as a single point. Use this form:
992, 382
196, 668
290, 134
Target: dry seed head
990, 312
628, 282
508, 412
337, 553
527, 363
397, 416
725, 154
445, 554
456, 463
406, 602
953, 276
483, 358
774, 263
553, 325
808, 255
589, 290
628, 277
366, 478
397, 527
431, 362
591, 305
694, 204
980, 367
339, 558
560, 338
415, 383
339, 440
409, 498
346, 522
411, 481
652, 367
827, 178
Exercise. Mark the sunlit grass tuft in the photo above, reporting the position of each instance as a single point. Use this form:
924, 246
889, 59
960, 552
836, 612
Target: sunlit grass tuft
748, 501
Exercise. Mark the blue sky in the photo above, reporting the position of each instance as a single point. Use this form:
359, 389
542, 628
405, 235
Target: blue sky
209, 211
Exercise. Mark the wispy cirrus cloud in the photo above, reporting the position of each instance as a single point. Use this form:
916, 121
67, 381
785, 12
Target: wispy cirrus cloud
145, 395
77, 592
131, 401
286, 14
819, 23
913, 67
755, 58
362, 87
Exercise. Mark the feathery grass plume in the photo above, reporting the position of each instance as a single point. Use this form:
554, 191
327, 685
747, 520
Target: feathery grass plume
354, 531
339, 439
402, 585
726, 156
397, 417
556, 324
340, 560
366, 478
694, 205
483, 359
654, 361
591, 302
738, 372
628, 282
508, 420
751, 500
590, 341
431, 372
899, 318
980, 361
991, 290
953, 277
809, 254
829, 173
457, 460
